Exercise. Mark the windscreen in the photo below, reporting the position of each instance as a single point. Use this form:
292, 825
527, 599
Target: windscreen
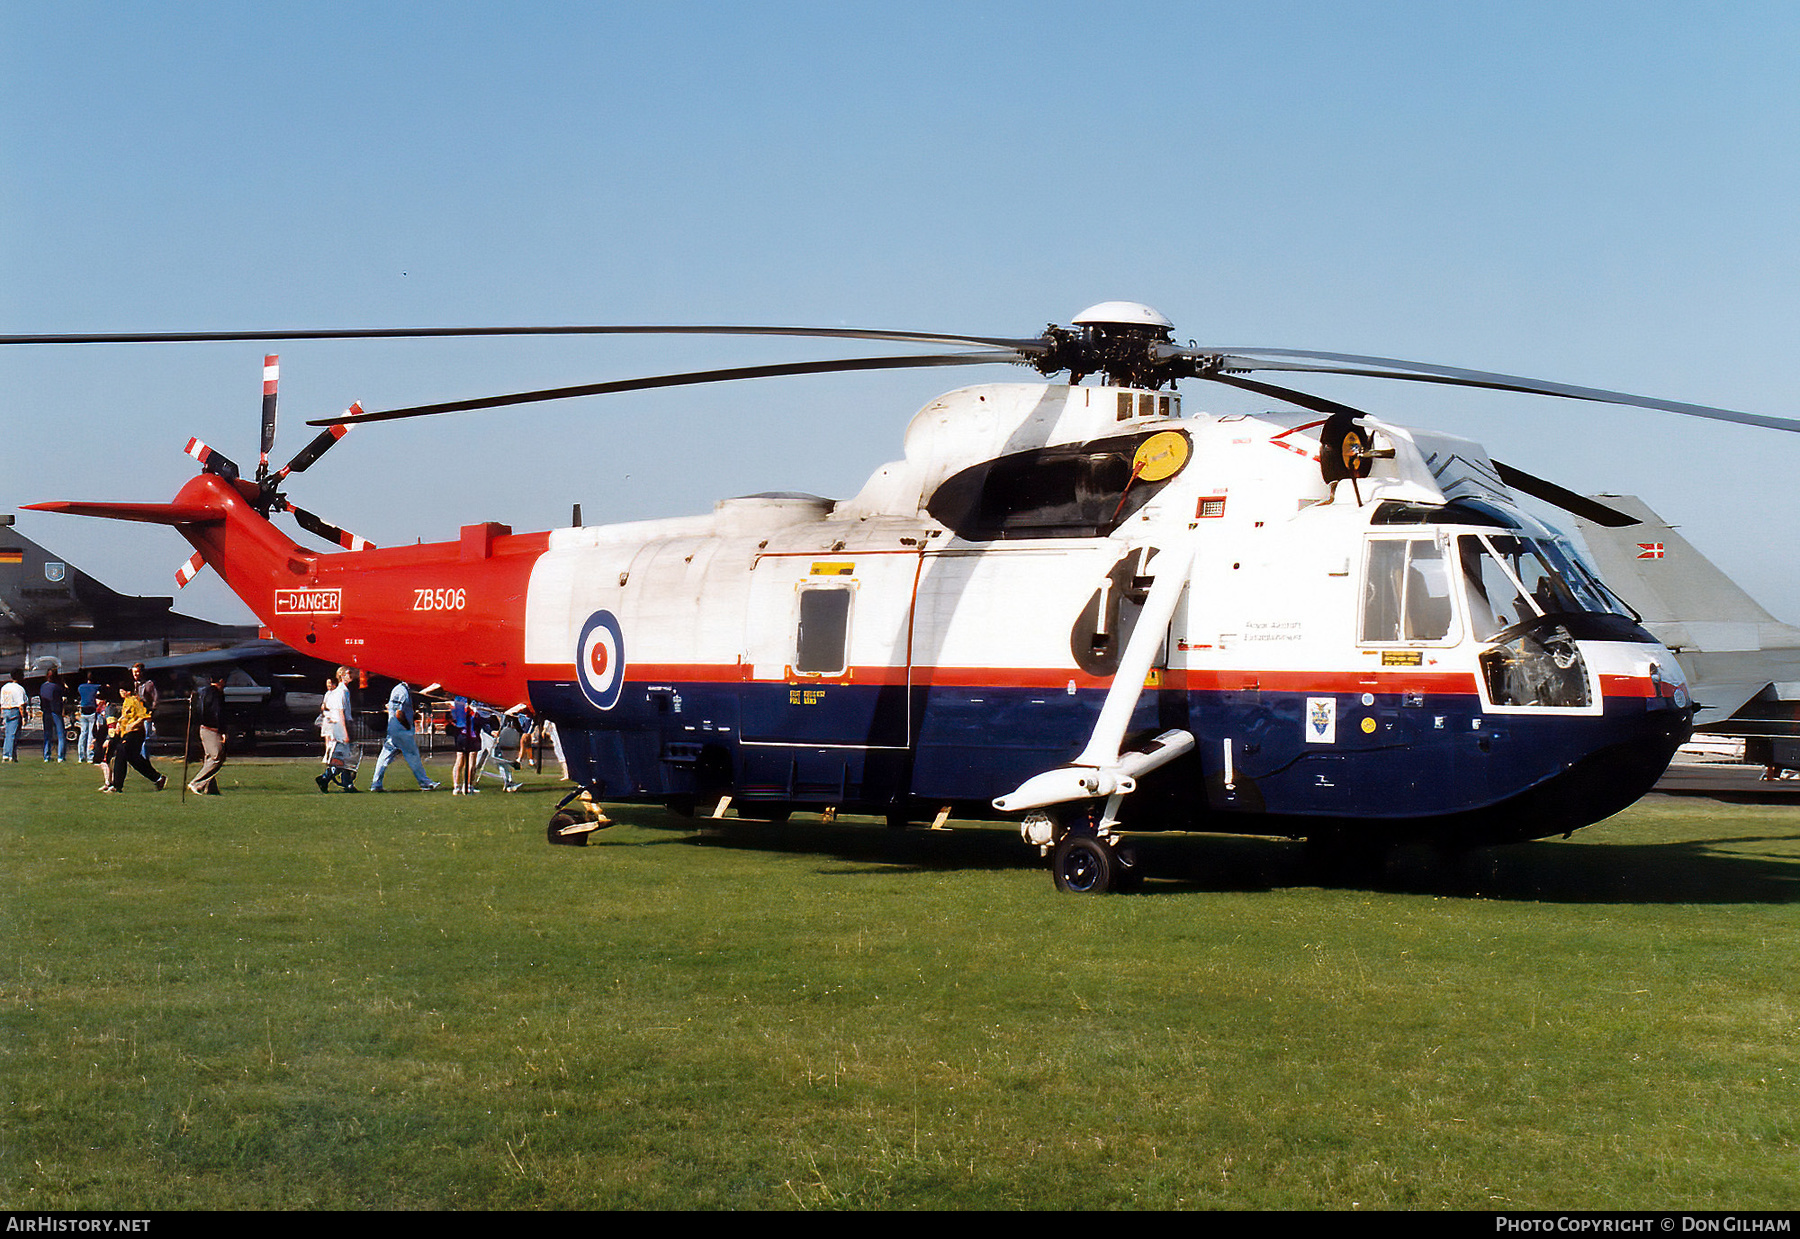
1513, 580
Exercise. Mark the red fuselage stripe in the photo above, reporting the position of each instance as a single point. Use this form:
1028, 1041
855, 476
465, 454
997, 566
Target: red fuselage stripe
1436, 683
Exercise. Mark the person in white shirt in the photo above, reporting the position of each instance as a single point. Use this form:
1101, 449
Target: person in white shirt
336, 729
14, 702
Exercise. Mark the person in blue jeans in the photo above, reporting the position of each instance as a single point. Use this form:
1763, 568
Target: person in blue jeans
87, 702
50, 707
400, 740
13, 704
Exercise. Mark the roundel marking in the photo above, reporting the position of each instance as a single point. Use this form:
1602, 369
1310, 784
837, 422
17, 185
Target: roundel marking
600, 660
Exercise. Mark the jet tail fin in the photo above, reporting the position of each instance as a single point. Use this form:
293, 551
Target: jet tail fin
1730, 647
1681, 594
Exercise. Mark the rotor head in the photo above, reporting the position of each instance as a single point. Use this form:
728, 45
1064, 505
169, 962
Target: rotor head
1118, 339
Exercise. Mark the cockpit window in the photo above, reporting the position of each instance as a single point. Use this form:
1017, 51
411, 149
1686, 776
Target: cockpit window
1528, 599
1548, 591
1406, 593
1512, 580
1497, 598
1583, 584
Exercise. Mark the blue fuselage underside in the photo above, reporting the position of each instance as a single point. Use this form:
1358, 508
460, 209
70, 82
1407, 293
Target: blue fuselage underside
877, 748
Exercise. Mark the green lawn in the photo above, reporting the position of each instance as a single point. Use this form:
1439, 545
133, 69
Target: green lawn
279, 999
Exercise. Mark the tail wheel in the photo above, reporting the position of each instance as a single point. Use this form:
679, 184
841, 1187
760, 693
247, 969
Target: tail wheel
576, 817
563, 820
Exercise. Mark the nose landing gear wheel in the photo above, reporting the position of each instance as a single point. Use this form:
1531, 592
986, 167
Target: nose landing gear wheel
1082, 865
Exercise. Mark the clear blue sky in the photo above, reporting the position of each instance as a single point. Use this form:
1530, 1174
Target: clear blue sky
1598, 193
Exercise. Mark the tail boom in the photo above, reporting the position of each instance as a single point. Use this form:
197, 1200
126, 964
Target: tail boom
453, 612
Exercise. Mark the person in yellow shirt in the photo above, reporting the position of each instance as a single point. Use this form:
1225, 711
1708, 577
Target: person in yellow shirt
134, 716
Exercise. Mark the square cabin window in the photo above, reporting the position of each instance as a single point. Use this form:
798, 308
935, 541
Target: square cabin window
824, 631
1406, 593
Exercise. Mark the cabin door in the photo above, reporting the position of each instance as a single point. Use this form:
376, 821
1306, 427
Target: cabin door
823, 711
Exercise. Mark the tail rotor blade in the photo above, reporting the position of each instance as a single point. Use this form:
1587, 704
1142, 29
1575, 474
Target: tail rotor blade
271, 380
322, 442
322, 528
211, 461
189, 570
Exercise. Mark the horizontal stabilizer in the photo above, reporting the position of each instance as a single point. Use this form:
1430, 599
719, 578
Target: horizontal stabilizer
150, 513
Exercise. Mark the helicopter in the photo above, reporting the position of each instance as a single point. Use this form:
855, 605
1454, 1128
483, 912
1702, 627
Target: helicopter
1069, 604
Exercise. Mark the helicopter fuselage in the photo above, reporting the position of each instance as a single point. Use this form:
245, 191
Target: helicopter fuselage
1410, 655
1401, 654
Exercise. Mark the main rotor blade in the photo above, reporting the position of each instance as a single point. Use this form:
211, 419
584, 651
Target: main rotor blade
1300, 399
1424, 372
1517, 479
681, 380
1580, 505
1033, 345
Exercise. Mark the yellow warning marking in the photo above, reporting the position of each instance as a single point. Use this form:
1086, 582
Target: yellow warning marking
1160, 456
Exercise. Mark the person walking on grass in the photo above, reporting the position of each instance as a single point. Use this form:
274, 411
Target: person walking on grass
134, 720
209, 712
104, 742
336, 729
400, 740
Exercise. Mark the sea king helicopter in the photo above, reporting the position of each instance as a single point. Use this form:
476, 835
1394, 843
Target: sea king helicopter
1070, 603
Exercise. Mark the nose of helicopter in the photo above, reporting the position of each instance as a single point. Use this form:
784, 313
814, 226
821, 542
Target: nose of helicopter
1646, 714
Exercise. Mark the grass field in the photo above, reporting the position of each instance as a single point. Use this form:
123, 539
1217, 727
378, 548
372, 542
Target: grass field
279, 999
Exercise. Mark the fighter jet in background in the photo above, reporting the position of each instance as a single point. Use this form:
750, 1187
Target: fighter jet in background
1742, 664
50, 609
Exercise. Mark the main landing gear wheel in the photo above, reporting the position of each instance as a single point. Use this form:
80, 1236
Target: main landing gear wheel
1087, 865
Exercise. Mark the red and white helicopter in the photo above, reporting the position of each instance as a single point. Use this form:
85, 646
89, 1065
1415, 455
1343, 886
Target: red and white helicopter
1069, 603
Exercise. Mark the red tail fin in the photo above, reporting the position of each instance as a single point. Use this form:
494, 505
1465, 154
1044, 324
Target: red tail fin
234, 538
